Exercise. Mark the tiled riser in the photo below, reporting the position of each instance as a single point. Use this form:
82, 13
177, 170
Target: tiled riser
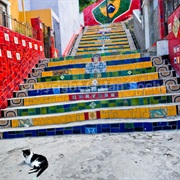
92, 105
153, 112
103, 88
95, 129
99, 81
59, 66
83, 70
87, 57
88, 96
92, 76
59, 62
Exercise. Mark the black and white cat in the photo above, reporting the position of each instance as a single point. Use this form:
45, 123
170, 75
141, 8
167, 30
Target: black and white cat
38, 162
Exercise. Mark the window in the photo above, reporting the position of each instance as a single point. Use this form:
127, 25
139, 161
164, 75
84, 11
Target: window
3, 14
169, 7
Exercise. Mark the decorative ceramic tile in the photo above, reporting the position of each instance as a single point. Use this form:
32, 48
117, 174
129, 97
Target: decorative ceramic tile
15, 40
23, 43
30, 45
94, 82
158, 113
18, 57
6, 37
9, 55
25, 122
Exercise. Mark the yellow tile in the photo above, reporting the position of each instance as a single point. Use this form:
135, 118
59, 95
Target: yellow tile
47, 73
71, 118
14, 123
80, 117
104, 114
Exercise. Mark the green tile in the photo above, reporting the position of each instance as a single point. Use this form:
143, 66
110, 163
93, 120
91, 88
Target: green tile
32, 111
52, 109
43, 110
128, 125
134, 101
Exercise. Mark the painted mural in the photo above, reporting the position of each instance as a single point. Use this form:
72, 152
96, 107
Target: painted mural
109, 11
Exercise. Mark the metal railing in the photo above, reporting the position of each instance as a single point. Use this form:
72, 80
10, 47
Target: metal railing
22, 28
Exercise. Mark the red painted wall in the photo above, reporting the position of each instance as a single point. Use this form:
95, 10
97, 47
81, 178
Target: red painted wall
90, 20
174, 39
18, 55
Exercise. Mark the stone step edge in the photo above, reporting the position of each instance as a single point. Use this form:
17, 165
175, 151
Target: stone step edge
92, 100
91, 122
89, 110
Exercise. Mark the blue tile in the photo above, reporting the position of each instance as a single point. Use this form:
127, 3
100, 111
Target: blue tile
172, 123
105, 126
99, 130
138, 124
20, 136
147, 126
106, 130
68, 132
178, 124
51, 133
166, 127
90, 130
56, 90
157, 128
162, 123
122, 127
42, 130
115, 130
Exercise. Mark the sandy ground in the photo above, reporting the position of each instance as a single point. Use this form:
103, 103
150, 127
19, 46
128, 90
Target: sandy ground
133, 156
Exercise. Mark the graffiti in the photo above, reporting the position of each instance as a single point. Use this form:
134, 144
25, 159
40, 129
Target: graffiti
109, 11
107, 14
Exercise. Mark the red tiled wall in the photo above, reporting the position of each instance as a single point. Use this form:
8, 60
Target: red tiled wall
18, 55
174, 39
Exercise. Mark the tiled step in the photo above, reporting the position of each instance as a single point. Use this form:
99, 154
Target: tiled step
96, 34
94, 41
172, 82
103, 51
122, 73
114, 47
82, 69
35, 100
99, 81
74, 105
142, 112
110, 127
88, 57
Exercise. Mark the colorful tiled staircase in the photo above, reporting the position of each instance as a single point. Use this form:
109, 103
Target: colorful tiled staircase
124, 90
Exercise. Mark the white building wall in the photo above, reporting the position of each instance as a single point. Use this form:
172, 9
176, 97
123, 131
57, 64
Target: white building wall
69, 20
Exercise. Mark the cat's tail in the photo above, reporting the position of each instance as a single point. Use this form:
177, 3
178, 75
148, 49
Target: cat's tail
42, 169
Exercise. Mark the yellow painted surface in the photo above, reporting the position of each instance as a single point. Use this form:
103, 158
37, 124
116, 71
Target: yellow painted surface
14, 9
44, 14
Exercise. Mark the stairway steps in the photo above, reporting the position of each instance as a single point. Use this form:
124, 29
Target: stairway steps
26, 101
71, 105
